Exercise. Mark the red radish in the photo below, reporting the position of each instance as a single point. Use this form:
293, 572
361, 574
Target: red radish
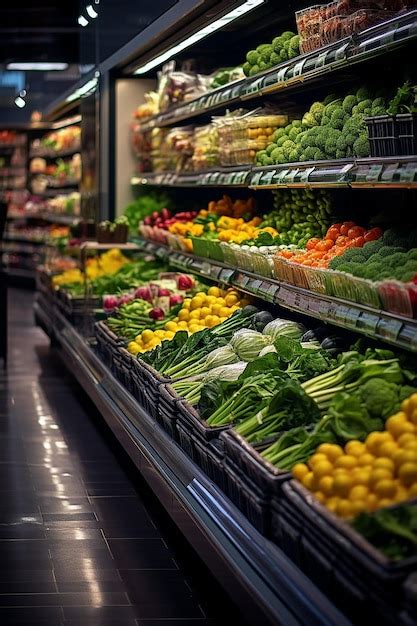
147, 221
155, 215
175, 299
143, 293
184, 282
163, 292
127, 297
156, 314
110, 302
165, 214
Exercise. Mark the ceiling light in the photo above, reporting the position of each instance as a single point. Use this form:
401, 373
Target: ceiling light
37, 67
83, 21
19, 102
200, 34
91, 12
22, 93
84, 90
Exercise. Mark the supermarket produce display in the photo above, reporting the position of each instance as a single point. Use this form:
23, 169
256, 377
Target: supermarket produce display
251, 337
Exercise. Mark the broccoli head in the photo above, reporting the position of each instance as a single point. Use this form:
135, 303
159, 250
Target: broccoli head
260, 155
280, 132
330, 98
320, 155
287, 146
275, 58
372, 247
309, 120
361, 147
267, 160
336, 262
246, 68
278, 156
293, 155
333, 106
338, 118
412, 253
277, 44
252, 57
296, 123
294, 132
379, 102
317, 110
283, 55
380, 397
331, 142
266, 54
325, 120
294, 46
364, 105
363, 93
309, 153
397, 259
255, 69
287, 35
396, 237
348, 103
271, 148
282, 140
262, 47
375, 111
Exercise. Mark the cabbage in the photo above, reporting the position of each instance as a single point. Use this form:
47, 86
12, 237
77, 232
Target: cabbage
283, 328
225, 355
248, 343
226, 373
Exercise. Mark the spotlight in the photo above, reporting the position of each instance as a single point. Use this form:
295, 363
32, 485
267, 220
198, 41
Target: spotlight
19, 102
91, 12
83, 21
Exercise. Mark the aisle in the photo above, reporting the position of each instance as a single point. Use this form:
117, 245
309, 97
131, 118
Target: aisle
78, 544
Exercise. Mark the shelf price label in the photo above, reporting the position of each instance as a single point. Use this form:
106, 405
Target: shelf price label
225, 95
280, 177
340, 53
256, 179
389, 328
298, 68
408, 173
368, 322
321, 59
305, 174
291, 175
226, 275
281, 74
389, 172
267, 177
254, 87
374, 172
351, 317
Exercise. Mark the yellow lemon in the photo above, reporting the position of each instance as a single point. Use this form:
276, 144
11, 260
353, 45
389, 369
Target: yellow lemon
385, 463
342, 484
183, 325
385, 488
184, 315
214, 291
196, 303
231, 299
395, 424
326, 485
299, 471
147, 335
380, 473
308, 481
186, 303
346, 461
408, 473
323, 468
331, 504
195, 315
331, 450
316, 458
204, 311
171, 326
344, 509
366, 459
169, 334
159, 333
358, 492
361, 476
355, 448
358, 506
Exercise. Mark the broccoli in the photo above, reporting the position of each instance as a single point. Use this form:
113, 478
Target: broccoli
317, 110
320, 155
331, 143
363, 94
275, 58
398, 259
378, 102
247, 68
333, 106
372, 247
404, 277
348, 103
287, 147
252, 57
270, 148
296, 123
299, 138
363, 105
302, 156
412, 254
354, 125
281, 140
325, 120
345, 267
287, 35
373, 270
355, 110
266, 53
310, 153
293, 156
375, 111
294, 46
277, 44
309, 120
278, 156
294, 132
379, 397
262, 47
395, 237
263, 65
260, 155
267, 161
280, 132
361, 146
350, 254
336, 262
330, 98
283, 55
254, 70
338, 118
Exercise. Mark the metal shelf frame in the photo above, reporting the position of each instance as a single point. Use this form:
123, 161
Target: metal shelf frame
269, 588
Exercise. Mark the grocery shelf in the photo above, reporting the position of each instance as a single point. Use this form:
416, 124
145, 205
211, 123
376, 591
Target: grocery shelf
70, 182
19, 272
370, 43
394, 329
268, 587
27, 240
56, 218
388, 172
52, 154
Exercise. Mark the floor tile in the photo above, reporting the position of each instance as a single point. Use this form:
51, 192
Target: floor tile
141, 554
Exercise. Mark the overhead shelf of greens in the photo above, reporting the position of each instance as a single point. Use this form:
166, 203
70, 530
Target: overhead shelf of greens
395, 329
394, 172
373, 42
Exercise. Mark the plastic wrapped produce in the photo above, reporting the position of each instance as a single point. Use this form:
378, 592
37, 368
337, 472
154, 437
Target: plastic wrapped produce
206, 148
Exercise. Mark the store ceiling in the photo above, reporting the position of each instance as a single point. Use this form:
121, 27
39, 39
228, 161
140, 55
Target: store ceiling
36, 31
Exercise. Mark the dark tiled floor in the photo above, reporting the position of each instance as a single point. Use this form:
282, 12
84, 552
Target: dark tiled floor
82, 541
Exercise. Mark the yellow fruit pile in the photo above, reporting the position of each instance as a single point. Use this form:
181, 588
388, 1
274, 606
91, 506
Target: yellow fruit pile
366, 476
107, 263
204, 310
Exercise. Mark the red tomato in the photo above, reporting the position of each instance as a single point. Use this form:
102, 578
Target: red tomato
333, 233
373, 234
344, 229
355, 231
358, 242
337, 226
